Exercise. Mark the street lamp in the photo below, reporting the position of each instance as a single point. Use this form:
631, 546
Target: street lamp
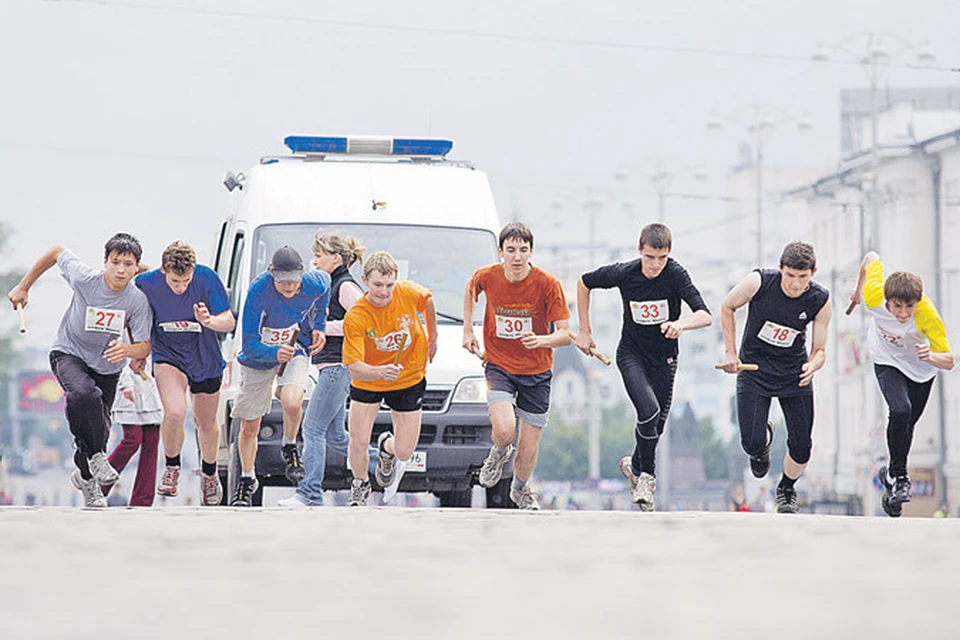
663, 174
764, 117
873, 56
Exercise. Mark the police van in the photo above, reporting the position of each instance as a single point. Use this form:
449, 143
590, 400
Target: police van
437, 218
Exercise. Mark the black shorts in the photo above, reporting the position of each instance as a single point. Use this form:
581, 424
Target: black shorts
402, 400
210, 385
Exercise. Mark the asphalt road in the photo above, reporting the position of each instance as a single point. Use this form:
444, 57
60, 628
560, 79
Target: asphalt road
183, 572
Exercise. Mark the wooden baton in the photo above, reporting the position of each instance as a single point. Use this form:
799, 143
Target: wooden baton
596, 354
143, 374
403, 344
740, 367
292, 343
851, 307
23, 323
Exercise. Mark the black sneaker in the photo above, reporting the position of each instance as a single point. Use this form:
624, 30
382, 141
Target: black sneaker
294, 469
760, 465
891, 505
786, 500
246, 487
901, 489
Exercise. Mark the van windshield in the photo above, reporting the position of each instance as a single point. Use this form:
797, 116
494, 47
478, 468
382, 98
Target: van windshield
439, 258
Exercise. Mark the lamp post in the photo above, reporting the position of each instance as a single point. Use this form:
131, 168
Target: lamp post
665, 170
763, 118
873, 58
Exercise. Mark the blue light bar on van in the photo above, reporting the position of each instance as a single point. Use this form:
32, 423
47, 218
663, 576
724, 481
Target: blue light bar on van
369, 145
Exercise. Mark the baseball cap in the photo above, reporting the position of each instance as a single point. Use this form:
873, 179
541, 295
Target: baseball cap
287, 265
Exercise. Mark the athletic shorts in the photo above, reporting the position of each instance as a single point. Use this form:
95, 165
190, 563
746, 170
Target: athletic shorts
210, 385
401, 400
529, 392
256, 386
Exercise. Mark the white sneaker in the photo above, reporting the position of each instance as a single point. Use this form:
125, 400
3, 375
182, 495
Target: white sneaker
524, 498
643, 492
293, 502
101, 469
92, 495
391, 490
492, 469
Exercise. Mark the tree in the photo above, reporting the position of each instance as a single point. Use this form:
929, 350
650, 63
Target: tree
714, 451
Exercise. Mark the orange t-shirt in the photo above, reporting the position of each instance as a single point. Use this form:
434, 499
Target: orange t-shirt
514, 308
373, 335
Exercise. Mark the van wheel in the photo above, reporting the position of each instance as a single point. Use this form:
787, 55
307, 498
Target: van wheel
459, 499
498, 496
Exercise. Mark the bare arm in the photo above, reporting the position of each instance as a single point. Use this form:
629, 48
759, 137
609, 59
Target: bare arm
364, 371
559, 338
740, 295
857, 296
585, 340
222, 322
818, 354
470, 342
696, 320
942, 360
20, 294
431, 318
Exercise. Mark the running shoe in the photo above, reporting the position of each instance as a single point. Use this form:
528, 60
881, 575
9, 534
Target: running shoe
626, 468
101, 469
492, 469
643, 492
386, 462
92, 495
246, 487
524, 498
786, 500
169, 481
293, 502
391, 489
211, 490
760, 465
294, 467
359, 493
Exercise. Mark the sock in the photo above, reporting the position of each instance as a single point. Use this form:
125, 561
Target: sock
209, 468
518, 483
248, 474
173, 461
287, 441
503, 450
787, 483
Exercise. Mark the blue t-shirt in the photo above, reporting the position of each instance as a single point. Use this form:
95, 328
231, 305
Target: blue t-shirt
177, 338
269, 318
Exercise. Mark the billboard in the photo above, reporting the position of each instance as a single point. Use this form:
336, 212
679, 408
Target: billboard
40, 392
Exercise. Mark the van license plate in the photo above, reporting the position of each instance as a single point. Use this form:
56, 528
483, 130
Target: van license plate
418, 462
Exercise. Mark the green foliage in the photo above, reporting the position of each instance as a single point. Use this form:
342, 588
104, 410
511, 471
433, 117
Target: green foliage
714, 451
563, 450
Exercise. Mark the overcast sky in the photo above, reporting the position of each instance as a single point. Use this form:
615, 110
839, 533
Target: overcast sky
125, 115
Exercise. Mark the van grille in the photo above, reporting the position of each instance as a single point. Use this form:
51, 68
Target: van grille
435, 399
459, 435
428, 433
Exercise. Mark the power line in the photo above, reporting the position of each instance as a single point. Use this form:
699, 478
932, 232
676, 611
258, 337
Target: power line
475, 33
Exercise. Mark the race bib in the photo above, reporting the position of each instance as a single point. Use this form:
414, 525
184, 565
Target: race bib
650, 311
276, 337
891, 339
105, 320
392, 341
181, 326
777, 334
511, 328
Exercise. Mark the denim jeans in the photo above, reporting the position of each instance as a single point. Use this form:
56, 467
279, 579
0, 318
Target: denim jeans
324, 424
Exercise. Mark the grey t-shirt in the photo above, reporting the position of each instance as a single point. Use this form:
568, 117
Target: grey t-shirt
97, 315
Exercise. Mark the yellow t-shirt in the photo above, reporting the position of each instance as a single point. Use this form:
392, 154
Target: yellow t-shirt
374, 334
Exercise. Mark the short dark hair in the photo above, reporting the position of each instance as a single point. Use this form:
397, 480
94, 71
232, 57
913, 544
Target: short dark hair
122, 243
903, 286
798, 255
516, 231
656, 235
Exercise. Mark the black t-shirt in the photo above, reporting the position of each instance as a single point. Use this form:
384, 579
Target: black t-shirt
775, 336
648, 303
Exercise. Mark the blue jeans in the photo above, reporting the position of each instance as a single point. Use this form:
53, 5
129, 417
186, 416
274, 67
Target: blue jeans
323, 426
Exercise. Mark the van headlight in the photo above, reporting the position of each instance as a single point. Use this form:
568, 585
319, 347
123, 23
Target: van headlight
473, 389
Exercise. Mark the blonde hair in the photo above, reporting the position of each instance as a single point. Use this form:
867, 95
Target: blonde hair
382, 262
179, 258
349, 249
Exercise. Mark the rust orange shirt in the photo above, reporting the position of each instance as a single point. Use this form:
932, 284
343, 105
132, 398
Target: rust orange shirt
514, 308
373, 335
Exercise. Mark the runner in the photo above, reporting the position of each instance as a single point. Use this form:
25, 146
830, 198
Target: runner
522, 301
190, 307
781, 305
387, 350
282, 302
652, 288
88, 354
323, 423
908, 344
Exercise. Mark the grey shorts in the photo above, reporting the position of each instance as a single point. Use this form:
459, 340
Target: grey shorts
529, 393
256, 386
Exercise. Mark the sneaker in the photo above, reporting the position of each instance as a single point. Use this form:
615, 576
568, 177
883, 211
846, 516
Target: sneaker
294, 469
211, 490
891, 502
492, 469
760, 465
390, 490
169, 481
643, 492
101, 469
386, 462
786, 500
293, 502
246, 487
524, 498
92, 495
626, 468
359, 493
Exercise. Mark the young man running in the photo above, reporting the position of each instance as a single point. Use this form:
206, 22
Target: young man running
281, 301
522, 301
190, 306
781, 305
88, 354
386, 349
908, 344
652, 288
